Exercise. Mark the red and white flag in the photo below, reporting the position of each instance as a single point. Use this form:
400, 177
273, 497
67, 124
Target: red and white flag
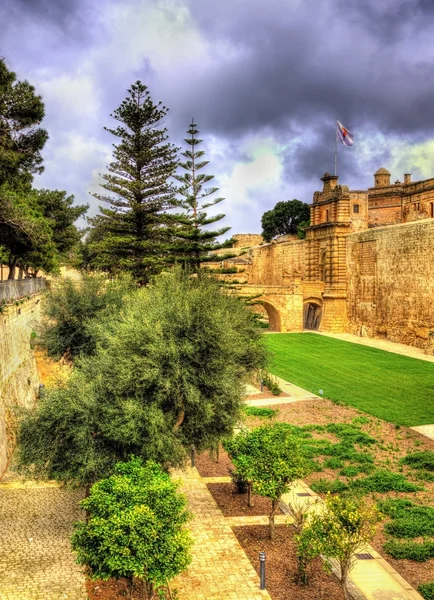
343, 135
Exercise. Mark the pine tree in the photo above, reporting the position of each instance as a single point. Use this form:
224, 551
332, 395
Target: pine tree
138, 177
193, 242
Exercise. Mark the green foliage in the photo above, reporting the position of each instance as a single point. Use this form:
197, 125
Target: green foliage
69, 309
385, 481
328, 486
343, 527
21, 142
427, 590
409, 520
420, 460
269, 458
135, 527
389, 386
131, 235
259, 411
291, 216
271, 383
417, 551
192, 238
169, 371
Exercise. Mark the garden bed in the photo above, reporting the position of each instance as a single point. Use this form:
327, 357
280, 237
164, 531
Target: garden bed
233, 504
114, 589
281, 565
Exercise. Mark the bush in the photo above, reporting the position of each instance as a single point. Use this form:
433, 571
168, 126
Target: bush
385, 481
417, 551
420, 460
328, 486
271, 383
135, 527
427, 590
409, 520
259, 411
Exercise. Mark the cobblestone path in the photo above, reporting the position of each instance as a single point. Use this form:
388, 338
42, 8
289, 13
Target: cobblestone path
220, 569
36, 562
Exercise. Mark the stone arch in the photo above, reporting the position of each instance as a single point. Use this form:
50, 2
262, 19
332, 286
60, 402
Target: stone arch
312, 313
273, 315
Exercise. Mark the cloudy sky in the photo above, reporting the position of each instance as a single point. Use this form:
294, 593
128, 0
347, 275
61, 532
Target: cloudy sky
264, 79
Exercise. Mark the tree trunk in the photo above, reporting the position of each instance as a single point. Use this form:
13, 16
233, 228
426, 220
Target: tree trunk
11, 265
130, 581
345, 568
274, 507
249, 494
149, 587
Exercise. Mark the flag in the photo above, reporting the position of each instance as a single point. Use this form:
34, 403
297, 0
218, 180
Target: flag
343, 135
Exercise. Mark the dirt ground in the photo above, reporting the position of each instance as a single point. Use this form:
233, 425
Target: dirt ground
393, 443
281, 565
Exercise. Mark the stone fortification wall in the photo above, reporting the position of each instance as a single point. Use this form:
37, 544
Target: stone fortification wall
391, 283
18, 375
275, 263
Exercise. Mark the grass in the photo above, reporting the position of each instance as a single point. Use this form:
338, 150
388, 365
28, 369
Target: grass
392, 387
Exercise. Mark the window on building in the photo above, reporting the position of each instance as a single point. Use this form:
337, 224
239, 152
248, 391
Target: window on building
356, 208
432, 210
327, 216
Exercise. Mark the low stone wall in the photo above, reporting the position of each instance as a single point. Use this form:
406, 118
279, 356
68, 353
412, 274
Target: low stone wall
18, 375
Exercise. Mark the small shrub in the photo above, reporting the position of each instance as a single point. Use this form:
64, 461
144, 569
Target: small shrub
350, 433
427, 590
409, 520
420, 460
417, 551
333, 463
259, 411
360, 420
326, 486
385, 481
350, 471
271, 383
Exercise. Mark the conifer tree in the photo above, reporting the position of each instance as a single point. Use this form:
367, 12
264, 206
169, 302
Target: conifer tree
193, 241
139, 179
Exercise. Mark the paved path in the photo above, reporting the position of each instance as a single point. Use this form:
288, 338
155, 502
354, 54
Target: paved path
36, 562
386, 345
296, 394
220, 569
426, 430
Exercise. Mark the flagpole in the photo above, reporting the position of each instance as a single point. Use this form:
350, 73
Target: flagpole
336, 150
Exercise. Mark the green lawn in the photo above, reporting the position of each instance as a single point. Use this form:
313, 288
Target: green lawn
390, 386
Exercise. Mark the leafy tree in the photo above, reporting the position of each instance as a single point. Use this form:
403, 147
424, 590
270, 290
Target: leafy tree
345, 526
58, 208
135, 527
138, 177
21, 141
169, 372
286, 217
193, 241
71, 306
24, 231
269, 459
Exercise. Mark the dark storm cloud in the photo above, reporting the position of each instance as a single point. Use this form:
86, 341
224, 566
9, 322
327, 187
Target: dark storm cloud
314, 62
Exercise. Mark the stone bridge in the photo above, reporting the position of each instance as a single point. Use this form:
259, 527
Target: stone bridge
284, 304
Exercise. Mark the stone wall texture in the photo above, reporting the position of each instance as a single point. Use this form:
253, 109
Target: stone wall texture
272, 264
391, 283
18, 375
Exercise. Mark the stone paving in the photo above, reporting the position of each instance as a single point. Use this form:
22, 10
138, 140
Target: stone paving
36, 561
220, 569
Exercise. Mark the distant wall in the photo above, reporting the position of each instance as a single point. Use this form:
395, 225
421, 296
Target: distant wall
391, 283
18, 375
272, 263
